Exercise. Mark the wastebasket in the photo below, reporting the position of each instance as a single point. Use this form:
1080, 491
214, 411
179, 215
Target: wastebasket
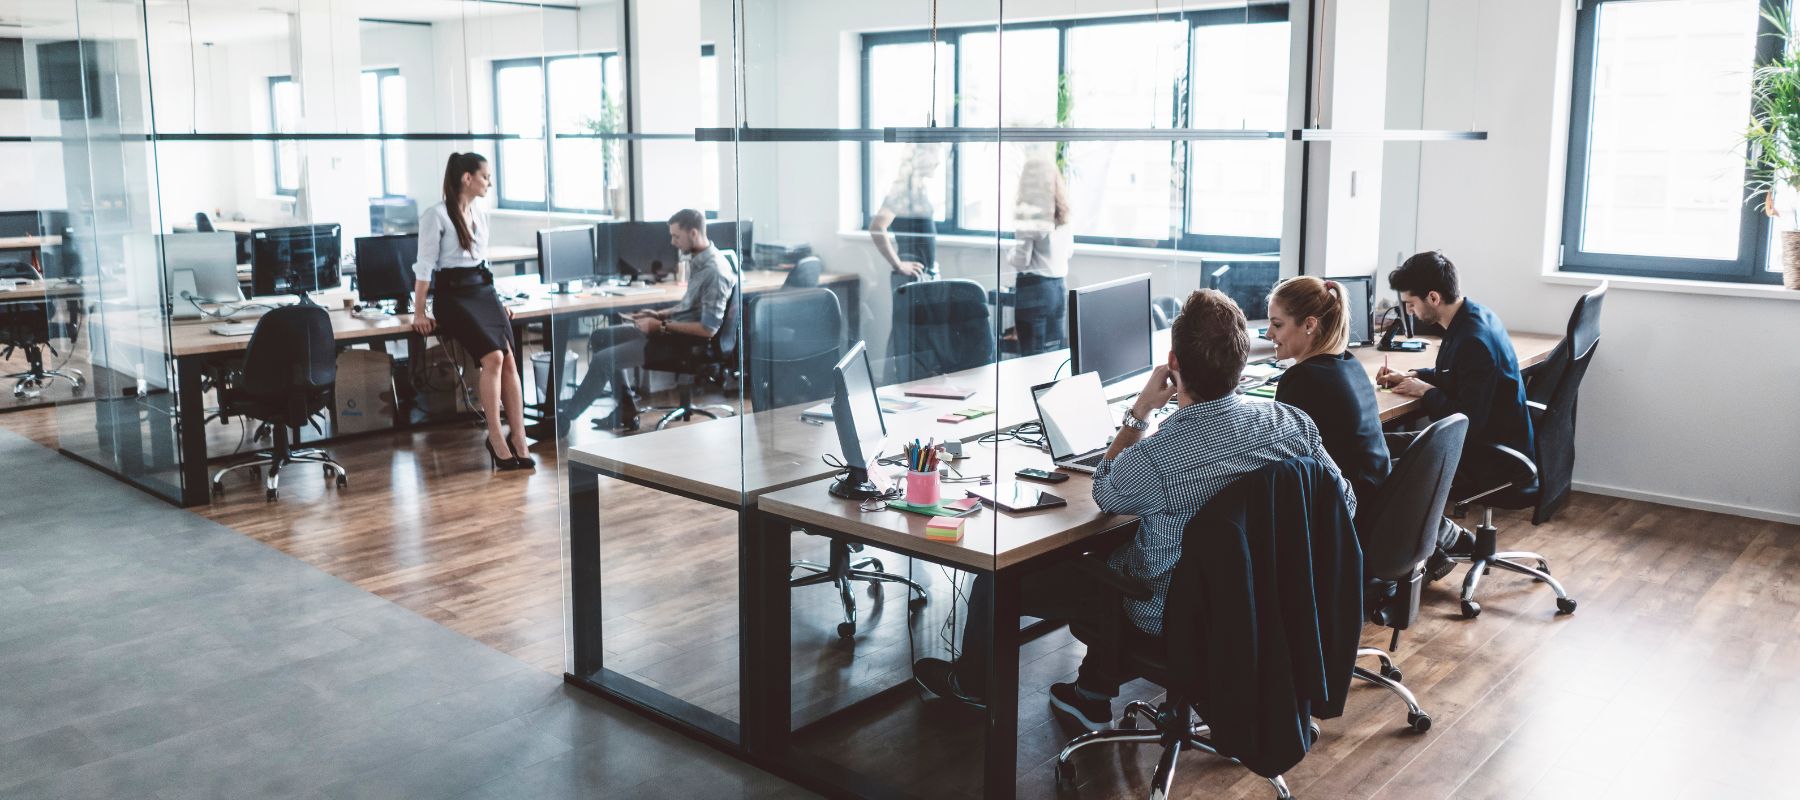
540, 371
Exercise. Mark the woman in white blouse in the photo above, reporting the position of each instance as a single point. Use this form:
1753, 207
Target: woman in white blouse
453, 253
1044, 240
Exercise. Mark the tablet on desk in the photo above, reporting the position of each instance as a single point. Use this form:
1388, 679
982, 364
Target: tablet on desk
1015, 496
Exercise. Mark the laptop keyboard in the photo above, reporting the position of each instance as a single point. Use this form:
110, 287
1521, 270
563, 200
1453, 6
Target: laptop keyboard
1088, 461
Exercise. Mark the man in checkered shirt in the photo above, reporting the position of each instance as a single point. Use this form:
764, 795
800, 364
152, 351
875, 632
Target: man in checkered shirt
1215, 437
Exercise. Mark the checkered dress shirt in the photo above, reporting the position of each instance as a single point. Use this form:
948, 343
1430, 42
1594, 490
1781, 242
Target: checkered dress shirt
1167, 477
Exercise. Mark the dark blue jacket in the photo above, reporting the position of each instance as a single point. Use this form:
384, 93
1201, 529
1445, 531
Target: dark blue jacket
1477, 375
1265, 612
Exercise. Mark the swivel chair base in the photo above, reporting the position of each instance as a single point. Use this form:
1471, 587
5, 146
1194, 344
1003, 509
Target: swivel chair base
274, 460
687, 410
1171, 724
1389, 678
842, 571
1484, 558
32, 381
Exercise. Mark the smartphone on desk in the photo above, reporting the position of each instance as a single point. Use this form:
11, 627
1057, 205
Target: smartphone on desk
1041, 476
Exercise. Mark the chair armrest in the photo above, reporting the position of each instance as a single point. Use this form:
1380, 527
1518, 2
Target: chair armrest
1512, 463
1130, 587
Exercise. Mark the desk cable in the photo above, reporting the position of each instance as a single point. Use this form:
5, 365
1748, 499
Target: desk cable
235, 309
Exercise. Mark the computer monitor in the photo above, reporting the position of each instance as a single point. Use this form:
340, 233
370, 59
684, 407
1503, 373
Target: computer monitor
1247, 280
1110, 329
211, 257
384, 269
1360, 291
295, 260
565, 255
724, 235
856, 412
640, 249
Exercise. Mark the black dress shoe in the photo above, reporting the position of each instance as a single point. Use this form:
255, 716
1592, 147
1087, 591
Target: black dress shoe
938, 677
522, 459
616, 422
502, 464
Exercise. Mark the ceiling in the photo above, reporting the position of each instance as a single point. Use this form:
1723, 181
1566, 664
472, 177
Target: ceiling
222, 21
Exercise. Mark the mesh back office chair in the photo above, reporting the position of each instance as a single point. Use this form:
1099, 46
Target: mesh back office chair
713, 360
26, 326
939, 327
1397, 535
1141, 655
1163, 311
290, 369
794, 340
805, 274
1542, 485
203, 223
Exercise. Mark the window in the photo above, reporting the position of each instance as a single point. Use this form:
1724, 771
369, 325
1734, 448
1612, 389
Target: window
576, 94
384, 111
1206, 69
284, 117
1657, 184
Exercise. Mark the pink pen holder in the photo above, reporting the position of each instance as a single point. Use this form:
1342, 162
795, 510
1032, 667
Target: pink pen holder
922, 488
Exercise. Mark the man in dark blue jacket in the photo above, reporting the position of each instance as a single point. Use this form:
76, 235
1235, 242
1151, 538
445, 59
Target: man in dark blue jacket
1477, 375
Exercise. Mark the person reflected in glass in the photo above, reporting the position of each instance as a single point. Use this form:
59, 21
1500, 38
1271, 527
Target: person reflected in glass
453, 239
1043, 242
904, 229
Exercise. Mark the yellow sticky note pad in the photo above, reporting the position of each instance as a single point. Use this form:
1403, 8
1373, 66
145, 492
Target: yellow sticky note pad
945, 529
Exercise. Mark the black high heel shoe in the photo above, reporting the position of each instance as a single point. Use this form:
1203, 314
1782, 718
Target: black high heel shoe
524, 461
502, 464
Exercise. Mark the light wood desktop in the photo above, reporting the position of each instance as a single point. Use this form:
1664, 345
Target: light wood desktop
28, 242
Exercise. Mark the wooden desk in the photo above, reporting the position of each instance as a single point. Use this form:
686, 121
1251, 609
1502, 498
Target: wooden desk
28, 242
193, 346
767, 467
41, 290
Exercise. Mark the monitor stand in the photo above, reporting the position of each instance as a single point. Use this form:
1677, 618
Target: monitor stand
562, 287
855, 486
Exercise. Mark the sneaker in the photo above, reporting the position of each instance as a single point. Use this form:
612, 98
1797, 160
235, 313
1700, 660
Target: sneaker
938, 677
1095, 715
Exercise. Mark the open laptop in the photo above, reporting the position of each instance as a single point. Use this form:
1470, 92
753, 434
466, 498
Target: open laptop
1078, 424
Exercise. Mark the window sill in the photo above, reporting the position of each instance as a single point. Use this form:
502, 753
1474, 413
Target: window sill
988, 243
1715, 288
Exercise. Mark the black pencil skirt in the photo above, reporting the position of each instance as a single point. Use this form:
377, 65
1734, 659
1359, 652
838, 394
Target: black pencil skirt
469, 311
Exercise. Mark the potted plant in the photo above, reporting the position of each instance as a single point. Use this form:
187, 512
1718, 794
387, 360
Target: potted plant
1773, 138
608, 123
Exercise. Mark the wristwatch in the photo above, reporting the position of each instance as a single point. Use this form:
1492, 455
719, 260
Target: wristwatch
1131, 421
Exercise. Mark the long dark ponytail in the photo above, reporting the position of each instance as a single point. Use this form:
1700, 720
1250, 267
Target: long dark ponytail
460, 164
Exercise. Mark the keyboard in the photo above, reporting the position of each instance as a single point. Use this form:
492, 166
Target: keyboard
1090, 460
233, 328
627, 291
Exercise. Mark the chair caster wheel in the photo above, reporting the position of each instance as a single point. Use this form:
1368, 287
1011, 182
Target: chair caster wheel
343, 481
1129, 722
846, 629
917, 602
1392, 674
270, 495
218, 488
1064, 781
1565, 605
1470, 609
1419, 723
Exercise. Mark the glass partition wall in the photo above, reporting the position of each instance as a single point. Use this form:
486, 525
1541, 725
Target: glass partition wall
938, 244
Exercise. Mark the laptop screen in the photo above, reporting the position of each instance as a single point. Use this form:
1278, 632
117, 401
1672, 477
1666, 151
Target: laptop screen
1075, 415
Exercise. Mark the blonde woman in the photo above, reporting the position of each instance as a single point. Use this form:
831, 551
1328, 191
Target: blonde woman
1309, 321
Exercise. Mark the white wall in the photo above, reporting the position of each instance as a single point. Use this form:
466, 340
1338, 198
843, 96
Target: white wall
1690, 398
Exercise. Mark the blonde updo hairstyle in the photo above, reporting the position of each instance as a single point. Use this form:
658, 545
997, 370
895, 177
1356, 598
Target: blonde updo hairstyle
1307, 296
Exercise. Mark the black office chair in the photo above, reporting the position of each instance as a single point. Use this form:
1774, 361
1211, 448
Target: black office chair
1543, 484
26, 326
794, 340
805, 274
290, 370
712, 361
1398, 533
939, 327
203, 223
1149, 657
1163, 311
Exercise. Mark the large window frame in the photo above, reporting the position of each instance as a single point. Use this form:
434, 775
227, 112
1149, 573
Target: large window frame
608, 61
953, 225
1755, 230
381, 74
276, 125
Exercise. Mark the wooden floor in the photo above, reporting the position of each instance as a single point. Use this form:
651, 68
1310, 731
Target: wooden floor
1679, 677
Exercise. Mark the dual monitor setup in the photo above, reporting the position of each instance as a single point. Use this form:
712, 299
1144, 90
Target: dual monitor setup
202, 267
1111, 341
622, 252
